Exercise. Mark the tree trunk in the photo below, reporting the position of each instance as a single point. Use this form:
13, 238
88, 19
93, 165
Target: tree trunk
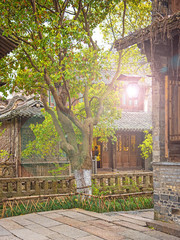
83, 181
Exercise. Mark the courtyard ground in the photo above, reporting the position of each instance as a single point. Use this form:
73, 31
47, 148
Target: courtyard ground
80, 224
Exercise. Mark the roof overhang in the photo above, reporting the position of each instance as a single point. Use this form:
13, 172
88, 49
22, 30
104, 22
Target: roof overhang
21, 107
7, 44
129, 78
159, 30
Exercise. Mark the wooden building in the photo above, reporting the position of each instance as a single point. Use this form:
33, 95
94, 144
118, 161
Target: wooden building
161, 44
125, 154
15, 116
134, 120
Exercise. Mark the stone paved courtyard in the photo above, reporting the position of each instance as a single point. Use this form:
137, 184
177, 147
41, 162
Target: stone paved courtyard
80, 224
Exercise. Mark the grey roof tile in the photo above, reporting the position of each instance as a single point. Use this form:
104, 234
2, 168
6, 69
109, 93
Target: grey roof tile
28, 108
129, 121
134, 121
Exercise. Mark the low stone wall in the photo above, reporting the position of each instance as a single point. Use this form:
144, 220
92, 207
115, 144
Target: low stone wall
16, 187
166, 178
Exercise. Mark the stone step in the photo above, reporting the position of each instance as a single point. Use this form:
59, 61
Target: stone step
169, 228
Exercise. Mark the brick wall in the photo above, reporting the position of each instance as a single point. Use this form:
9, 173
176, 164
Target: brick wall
166, 179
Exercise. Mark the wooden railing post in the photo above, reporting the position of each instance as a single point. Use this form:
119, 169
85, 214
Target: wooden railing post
19, 188
37, 187
28, 184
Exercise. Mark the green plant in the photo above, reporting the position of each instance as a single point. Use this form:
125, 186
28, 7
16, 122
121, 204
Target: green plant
59, 170
96, 204
146, 145
130, 185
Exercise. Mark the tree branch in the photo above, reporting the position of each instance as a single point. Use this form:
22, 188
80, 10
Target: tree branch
37, 22
86, 28
53, 91
112, 26
68, 129
110, 86
43, 6
30, 59
36, 18
65, 4
77, 99
79, 10
93, 98
124, 14
67, 90
57, 6
23, 40
68, 148
60, 105
86, 102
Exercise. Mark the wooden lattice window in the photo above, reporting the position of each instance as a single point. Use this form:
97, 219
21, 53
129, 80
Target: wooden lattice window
133, 143
105, 146
119, 144
126, 143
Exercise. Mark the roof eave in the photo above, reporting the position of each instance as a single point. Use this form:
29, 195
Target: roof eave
7, 44
167, 25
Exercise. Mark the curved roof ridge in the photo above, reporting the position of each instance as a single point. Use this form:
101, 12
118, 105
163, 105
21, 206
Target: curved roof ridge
28, 108
12, 103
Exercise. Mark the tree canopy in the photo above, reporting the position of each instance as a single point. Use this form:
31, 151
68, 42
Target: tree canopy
57, 55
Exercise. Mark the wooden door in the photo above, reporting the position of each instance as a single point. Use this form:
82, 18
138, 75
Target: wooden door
127, 150
107, 155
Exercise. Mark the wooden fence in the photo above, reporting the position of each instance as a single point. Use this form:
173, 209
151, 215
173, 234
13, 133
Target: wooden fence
119, 202
16, 187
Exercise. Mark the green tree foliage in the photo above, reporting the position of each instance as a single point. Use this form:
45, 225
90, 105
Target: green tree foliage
137, 16
146, 145
46, 140
57, 53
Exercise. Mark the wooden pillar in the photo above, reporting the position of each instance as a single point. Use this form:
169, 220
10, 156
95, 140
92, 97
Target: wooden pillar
114, 157
166, 117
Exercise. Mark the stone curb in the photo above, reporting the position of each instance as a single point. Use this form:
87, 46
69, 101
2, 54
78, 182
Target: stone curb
169, 228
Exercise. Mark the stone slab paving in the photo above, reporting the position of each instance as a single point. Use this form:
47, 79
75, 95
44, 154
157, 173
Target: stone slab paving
80, 224
9, 238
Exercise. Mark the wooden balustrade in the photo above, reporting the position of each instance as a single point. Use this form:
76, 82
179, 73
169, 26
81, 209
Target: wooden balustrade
16, 187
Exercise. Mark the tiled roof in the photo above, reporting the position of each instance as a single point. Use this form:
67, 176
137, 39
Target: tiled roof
21, 107
107, 75
134, 121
